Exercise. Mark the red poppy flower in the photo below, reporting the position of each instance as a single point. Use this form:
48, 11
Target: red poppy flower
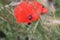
28, 12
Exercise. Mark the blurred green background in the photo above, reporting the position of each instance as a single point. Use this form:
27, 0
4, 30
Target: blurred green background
10, 30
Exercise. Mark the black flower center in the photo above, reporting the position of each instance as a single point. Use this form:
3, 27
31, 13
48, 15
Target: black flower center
30, 17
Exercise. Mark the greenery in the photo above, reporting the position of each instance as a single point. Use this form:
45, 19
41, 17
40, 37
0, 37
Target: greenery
36, 31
